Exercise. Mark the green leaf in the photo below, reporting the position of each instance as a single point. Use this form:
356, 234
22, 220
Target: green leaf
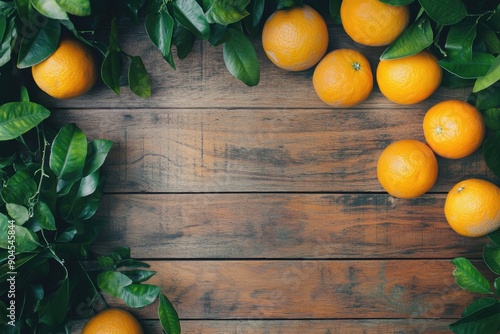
25, 97
132, 263
53, 308
18, 212
139, 295
478, 304
67, 235
283, 4
111, 69
6, 45
35, 49
486, 98
113, 282
496, 286
88, 184
477, 67
50, 8
26, 240
97, 151
138, 275
417, 37
492, 76
76, 7
106, 262
86, 207
490, 38
16, 118
495, 237
168, 316
138, 78
468, 277
484, 320
240, 58
19, 188
183, 40
190, 15
491, 255
131, 9
44, 216
225, 12
160, 29
491, 152
460, 39
258, 10
492, 118
3, 26
397, 2
121, 253
445, 12
67, 156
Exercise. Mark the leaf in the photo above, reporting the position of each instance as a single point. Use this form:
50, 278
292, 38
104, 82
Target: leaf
111, 69
3, 26
495, 237
131, 9
283, 4
490, 38
240, 58
88, 184
225, 12
113, 282
492, 118
486, 98
50, 8
25, 97
397, 2
18, 212
491, 152
86, 207
496, 286
492, 76
445, 12
6, 46
460, 39
132, 263
67, 156
53, 308
258, 10
190, 15
19, 188
414, 39
121, 253
183, 41
67, 235
468, 277
44, 216
477, 67
26, 240
138, 78
39, 45
16, 118
76, 7
97, 151
491, 255
139, 295
478, 304
484, 320
168, 316
160, 29
138, 276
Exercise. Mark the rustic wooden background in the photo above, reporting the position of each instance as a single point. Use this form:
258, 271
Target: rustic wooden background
260, 207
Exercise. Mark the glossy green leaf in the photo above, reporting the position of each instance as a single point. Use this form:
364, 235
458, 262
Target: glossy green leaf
53, 308
258, 11
67, 235
139, 295
43, 42
18, 212
138, 275
190, 15
97, 151
50, 8
460, 39
468, 277
168, 316
68, 152
492, 76
111, 69
492, 118
121, 253
218, 35
445, 12
495, 237
44, 216
397, 2
478, 66
6, 45
88, 184
484, 320
26, 240
85, 208
283, 4
490, 38
486, 98
160, 29
225, 12
19, 188
23, 8
3, 26
131, 9
240, 58
24, 94
478, 304
138, 78
183, 40
417, 37
16, 118
496, 286
113, 282
491, 152
4, 230
76, 7
106, 262
491, 256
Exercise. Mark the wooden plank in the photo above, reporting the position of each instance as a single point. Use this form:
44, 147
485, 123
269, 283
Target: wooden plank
255, 150
280, 226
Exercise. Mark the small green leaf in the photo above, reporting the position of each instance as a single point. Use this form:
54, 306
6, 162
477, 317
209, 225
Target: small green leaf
19, 188
484, 320
225, 12
97, 151
139, 295
190, 15
496, 286
44, 216
168, 316
478, 66
113, 282
284, 4
445, 12
486, 98
67, 156
35, 49
138, 78
111, 69
183, 40
138, 275
478, 304
491, 152
106, 262
160, 29
18, 212
67, 235
121, 253
3, 26
490, 38
6, 46
53, 308
258, 10
468, 277
25, 97
76, 7
491, 255
50, 8
495, 237
16, 118
460, 39
492, 118
26, 240
492, 76
417, 37
240, 58
131, 9
88, 184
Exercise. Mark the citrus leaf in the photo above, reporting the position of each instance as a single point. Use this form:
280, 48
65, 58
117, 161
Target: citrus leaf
491, 152
26, 239
444, 12
397, 2
138, 78
86, 207
88, 184
496, 286
492, 118
3, 26
183, 41
18, 212
486, 98
492, 76
415, 38
132, 263
495, 237
139, 295
39, 45
76, 7
53, 308
50, 8
138, 275
44, 216
97, 152
491, 256
19, 189
283, 4
190, 15
67, 235
160, 29
258, 10
240, 58
168, 316
484, 320
490, 38
468, 277
225, 12
477, 67
111, 69
121, 253
460, 39
131, 9
113, 282
6, 46
478, 304
16, 118
68, 152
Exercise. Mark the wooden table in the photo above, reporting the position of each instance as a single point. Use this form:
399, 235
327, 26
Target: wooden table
260, 207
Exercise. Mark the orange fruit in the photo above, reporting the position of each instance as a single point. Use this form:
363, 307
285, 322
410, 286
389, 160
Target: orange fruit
373, 23
343, 78
454, 129
407, 168
410, 79
68, 72
472, 207
295, 39
113, 321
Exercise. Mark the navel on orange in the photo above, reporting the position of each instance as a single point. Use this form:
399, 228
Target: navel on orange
410, 79
454, 129
343, 78
69, 72
472, 207
372, 22
113, 321
407, 168
295, 39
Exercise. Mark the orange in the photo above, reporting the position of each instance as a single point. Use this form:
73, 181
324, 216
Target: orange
410, 79
343, 78
407, 168
372, 22
295, 39
454, 129
69, 72
472, 207
113, 321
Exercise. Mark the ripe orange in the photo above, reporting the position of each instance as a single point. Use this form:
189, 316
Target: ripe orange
407, 168
454, 129
343, 78
372, 22
410, 79
472, 207
113, 321
69, 72
295, 39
